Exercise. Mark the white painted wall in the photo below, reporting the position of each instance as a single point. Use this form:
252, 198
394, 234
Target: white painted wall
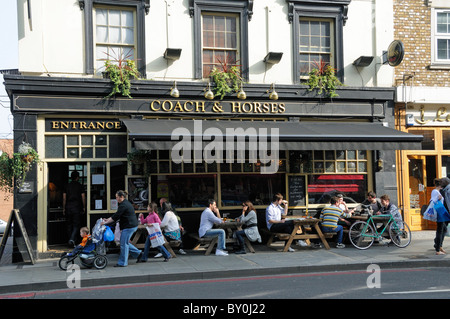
55, 44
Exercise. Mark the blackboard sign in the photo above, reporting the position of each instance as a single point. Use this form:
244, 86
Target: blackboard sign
15, 216
138, 191
296, 190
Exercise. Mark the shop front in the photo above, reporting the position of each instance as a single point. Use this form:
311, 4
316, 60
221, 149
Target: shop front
191, 149
418, 169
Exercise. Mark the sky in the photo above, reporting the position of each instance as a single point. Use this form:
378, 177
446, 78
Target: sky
8, 60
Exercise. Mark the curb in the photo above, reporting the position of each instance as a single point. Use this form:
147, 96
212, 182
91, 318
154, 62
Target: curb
222, 274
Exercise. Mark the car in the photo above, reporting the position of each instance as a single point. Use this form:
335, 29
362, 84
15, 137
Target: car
2, 226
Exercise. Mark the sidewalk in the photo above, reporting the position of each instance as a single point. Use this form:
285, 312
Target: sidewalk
46, 275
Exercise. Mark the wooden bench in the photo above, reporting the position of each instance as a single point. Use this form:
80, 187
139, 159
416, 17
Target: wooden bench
285, 237
207, 243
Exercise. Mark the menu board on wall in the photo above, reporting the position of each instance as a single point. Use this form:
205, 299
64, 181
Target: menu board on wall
138, 192
296, 190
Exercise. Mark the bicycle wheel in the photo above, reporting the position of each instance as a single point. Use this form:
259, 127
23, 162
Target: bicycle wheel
65, 261
361, 235
400, 234
100, 262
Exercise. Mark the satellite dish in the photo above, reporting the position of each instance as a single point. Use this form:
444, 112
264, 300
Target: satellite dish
395, 53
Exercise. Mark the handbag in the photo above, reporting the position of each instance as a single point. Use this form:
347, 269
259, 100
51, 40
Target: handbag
108, 235
155, 234
430, 214
442, 213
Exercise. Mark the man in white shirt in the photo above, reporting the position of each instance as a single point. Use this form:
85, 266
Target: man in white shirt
209, 217
275, 222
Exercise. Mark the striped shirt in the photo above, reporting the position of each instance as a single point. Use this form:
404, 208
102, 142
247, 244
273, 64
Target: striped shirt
330, 216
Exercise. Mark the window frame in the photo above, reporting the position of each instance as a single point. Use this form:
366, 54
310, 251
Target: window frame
140, 8
335, 11
435, 36
242, 8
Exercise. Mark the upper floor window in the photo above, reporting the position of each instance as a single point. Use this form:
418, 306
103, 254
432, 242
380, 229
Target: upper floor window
220, 34
114, 36
317, 35
442, 36
220, 41
114, 29
316, 43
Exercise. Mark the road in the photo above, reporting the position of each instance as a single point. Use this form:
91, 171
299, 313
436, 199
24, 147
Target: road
374, 283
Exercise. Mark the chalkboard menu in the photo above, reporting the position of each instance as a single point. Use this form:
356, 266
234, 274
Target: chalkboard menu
137, 188
297, 190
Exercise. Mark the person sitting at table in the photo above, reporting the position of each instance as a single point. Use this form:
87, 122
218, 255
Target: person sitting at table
275, 221
250, 226
209, 217
390, 209
152, 218
170, 226
373, 202
330, 217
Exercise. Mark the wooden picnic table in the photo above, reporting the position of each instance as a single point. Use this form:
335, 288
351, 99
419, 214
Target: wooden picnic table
300, 232
142, 232
230, 226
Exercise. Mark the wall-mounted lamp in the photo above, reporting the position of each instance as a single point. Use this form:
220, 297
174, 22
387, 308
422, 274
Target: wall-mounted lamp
273, 57
172, 54
241, 94
273, 94
363, 61
174, 91
209, 94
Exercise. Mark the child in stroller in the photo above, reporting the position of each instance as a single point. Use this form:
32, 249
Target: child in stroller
86, 250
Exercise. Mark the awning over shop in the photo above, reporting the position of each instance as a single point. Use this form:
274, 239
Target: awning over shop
164, 134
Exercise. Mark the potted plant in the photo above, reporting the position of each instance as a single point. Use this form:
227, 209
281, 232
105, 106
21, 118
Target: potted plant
120, 70
14, 169
323, 78
227, 78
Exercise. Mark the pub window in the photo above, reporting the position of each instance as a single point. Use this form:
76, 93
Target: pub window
317, 32
330, 161
86, 146
220, 34
114, 36
114, 27
220, 45
316, 44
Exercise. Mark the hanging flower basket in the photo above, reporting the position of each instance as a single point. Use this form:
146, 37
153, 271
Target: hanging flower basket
13, 170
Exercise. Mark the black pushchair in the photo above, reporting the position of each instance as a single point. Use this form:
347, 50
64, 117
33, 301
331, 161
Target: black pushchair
89, 258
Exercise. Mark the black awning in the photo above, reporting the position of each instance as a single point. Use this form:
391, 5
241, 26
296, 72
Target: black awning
157, 134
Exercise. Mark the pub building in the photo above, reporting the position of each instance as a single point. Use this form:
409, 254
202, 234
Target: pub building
324, 148
277, 137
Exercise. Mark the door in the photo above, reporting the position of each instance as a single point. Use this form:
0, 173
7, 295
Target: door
422, 170
58, 177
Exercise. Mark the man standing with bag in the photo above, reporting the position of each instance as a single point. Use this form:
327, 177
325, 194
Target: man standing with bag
443, 187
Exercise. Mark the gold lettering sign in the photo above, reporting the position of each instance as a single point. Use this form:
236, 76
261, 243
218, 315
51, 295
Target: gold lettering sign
441, 116
85, 125
217, 107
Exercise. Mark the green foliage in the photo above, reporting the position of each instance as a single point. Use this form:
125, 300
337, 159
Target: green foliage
14, 169
226, 80
323, 78
120, 74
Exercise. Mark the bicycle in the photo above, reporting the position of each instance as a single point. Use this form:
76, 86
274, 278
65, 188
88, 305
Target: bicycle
362, 234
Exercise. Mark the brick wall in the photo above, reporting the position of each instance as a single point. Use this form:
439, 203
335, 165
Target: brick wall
412, 25
6, 199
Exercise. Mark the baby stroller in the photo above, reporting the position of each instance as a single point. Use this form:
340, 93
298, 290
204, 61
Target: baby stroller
92, 256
